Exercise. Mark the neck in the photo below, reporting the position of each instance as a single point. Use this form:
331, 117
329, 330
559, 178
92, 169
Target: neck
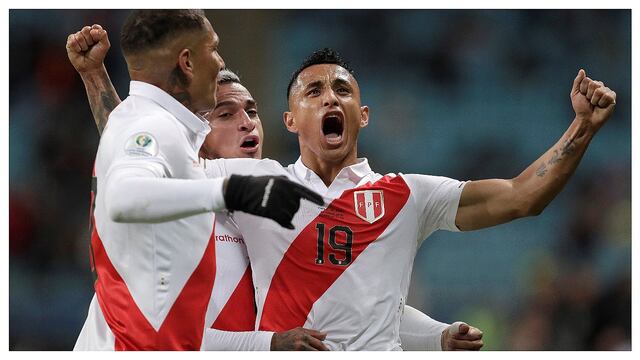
327, 169
164, 75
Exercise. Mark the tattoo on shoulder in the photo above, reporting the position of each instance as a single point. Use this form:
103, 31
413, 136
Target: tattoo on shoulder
542, 170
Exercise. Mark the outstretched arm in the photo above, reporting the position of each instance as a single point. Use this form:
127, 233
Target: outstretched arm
491, 202
86, 50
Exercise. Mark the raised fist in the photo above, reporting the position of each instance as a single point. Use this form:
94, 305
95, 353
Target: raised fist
87, 48
592, 101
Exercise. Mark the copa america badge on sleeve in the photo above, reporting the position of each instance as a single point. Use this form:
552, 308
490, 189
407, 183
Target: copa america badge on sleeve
141, 144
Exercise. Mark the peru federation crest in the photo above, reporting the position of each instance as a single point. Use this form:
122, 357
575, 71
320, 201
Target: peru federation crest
369, 205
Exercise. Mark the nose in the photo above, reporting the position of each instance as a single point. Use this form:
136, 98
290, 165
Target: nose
330, 99
246, 123
221, 63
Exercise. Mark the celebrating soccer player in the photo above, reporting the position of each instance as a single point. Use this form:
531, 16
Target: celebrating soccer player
237, 132
152, 241
345, 269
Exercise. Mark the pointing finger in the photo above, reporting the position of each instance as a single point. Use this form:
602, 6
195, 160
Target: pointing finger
310, 195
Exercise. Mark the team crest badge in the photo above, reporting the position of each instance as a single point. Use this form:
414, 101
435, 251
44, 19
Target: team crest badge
369, 205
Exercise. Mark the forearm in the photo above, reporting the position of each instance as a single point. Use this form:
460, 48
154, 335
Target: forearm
135, 195
491, 202
101, 94
216, 340
419, 332
539, 183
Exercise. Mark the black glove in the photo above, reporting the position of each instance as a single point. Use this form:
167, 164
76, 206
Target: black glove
274, 197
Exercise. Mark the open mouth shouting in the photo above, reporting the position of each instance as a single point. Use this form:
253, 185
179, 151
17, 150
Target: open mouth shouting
249, 144
333, 127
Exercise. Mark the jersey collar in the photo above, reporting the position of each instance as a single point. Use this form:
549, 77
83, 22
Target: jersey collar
354, 172
197, 124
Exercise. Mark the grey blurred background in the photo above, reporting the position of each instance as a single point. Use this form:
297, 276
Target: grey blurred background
468, 94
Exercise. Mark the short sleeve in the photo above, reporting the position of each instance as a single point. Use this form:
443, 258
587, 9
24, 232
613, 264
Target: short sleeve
436, 199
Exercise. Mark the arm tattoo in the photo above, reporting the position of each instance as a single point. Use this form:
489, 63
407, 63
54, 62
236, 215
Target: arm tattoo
102, 100
568, 148
542, 170
555, 158
109, 102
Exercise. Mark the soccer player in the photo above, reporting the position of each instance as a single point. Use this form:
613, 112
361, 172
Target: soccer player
152, 243
345, 268
237, 132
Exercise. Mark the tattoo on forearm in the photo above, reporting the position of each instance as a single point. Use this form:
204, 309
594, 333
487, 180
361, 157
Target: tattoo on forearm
109, 102
178, 83
102, 100
568, 148
542, 170
555, 158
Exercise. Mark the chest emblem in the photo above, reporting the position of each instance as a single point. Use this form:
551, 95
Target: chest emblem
369, 205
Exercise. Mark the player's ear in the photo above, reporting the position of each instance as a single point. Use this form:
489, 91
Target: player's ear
290, 122
185, 63
364, 116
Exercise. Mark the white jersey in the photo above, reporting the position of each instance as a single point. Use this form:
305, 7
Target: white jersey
345, 268
232, 305
154, 268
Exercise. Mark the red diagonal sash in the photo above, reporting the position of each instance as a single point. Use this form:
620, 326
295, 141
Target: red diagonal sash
300, 279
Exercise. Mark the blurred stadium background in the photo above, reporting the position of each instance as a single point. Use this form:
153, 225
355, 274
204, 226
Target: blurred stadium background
468, 94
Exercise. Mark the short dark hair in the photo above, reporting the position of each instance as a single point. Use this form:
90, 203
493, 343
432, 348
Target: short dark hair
323, 56
226, 76
149, 29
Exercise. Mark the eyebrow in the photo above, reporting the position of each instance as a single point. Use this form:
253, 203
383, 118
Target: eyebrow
317, 83
341, 81
249, 102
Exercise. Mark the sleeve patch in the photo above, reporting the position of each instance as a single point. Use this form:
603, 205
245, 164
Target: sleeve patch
141, 144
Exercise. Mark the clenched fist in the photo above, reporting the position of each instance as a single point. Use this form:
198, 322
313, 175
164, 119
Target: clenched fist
592, 101
87, 48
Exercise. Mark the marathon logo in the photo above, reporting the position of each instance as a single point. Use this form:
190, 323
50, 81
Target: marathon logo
230, 239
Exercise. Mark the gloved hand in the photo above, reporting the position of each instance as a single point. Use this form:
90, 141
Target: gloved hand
273, 197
